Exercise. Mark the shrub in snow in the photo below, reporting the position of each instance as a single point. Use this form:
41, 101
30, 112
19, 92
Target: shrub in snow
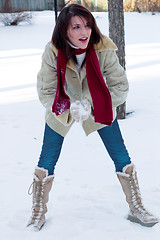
13, 19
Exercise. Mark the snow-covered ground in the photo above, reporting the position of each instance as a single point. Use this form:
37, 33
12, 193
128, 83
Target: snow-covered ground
86, 201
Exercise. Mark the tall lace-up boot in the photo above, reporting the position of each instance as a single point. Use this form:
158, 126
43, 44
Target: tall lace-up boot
130, 186
42, 184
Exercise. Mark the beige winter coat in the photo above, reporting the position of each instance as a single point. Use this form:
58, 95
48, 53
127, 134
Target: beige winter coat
76, 85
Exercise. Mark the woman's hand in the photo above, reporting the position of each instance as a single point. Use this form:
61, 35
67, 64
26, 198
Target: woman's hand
80, 111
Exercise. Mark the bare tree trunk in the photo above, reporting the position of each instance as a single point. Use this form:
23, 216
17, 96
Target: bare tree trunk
7, 6
116, 33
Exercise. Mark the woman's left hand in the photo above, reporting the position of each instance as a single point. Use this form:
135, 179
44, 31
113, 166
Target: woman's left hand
80, 111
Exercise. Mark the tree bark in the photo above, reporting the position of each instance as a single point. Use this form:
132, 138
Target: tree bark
7, 6
116, 33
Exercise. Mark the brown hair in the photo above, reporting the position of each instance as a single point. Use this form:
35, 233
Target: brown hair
59, 37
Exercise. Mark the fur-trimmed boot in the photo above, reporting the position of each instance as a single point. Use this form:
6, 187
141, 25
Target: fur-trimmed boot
130, 186
42, 184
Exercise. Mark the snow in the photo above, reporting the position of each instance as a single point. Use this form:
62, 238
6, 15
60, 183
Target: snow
86, 201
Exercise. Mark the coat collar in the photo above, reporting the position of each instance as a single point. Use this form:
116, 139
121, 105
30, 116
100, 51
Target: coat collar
70, 64
105, 44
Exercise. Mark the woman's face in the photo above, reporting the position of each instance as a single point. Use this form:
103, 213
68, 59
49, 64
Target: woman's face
79, 32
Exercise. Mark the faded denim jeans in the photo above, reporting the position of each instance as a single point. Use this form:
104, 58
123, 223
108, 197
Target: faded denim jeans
111, 137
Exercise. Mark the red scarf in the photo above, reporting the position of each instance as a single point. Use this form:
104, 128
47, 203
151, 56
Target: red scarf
100, 94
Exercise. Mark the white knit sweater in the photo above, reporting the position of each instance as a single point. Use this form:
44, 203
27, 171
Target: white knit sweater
80, 58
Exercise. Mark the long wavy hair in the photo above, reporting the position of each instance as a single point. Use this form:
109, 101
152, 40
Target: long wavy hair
59, 37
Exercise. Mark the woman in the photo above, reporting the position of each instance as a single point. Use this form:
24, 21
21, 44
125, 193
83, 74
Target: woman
81, 80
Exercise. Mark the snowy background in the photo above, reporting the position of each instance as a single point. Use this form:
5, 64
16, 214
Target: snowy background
86, 201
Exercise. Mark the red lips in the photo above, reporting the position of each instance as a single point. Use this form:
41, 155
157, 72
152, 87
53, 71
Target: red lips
83, 40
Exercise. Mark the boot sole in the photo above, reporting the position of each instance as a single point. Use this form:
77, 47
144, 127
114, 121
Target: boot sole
40, 225
136, 220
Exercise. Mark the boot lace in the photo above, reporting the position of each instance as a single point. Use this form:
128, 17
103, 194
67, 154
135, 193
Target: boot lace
38, 206
136, 195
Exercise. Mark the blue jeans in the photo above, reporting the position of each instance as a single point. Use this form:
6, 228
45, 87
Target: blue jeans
111, 137
114, 144
51, 148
